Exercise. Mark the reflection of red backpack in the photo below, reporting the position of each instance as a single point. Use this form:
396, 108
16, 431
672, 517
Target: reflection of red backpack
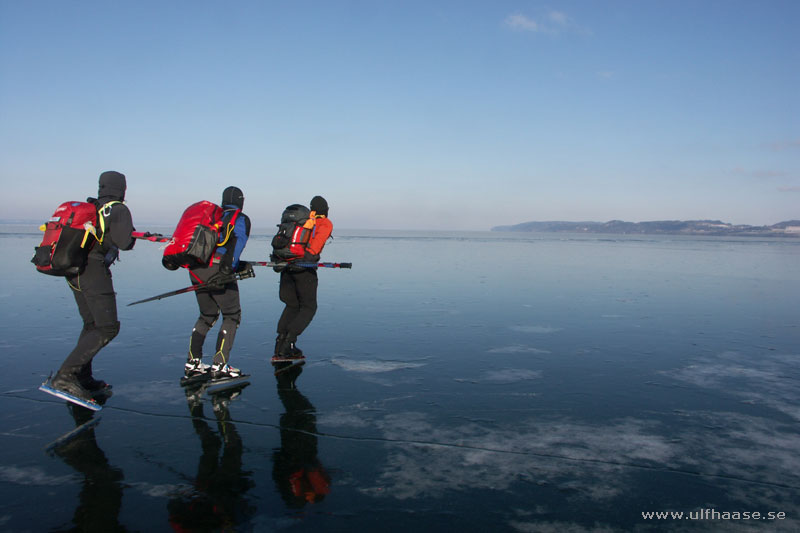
195, 239
310, 485
66, 243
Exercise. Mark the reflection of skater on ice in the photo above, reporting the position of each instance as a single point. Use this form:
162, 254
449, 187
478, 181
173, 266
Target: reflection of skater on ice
216, 500
100, 498
297, 471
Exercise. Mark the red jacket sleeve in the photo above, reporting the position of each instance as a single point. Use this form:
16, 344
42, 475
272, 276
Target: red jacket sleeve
322, 230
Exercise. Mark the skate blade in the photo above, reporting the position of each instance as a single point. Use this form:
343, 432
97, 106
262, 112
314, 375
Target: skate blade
218, 385
93, 405
283, 366
195, 380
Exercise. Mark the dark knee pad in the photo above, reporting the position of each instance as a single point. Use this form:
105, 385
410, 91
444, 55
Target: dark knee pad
232, 319
108, 332
205, 323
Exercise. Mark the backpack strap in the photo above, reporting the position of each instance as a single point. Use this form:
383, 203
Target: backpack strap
90, 229
102, 213
230, 227
312, 218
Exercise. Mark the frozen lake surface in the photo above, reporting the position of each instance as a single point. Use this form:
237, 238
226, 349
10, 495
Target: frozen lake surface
455, 381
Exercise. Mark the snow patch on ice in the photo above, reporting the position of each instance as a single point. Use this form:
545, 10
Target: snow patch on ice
31, 476
517, 348
511, 375
373, 366
534, 329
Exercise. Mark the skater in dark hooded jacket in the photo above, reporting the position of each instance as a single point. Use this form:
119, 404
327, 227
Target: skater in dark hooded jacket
298, 287
94, 291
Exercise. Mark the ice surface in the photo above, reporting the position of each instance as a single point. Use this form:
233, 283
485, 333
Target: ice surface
455, 381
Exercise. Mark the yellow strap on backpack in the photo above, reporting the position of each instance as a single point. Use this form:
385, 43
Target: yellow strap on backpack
311, 219
101, 215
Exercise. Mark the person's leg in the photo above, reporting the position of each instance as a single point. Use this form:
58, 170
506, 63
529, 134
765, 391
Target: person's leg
228, 302
288, 295
305, 293
97, 305
209, 312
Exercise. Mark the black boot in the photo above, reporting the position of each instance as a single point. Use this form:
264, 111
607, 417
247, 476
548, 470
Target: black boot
278, 342
94, 386
68, 382
288, 349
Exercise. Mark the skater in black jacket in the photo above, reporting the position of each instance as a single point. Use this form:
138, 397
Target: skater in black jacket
94, 291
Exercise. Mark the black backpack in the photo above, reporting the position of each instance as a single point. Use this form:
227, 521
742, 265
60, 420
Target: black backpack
294, 232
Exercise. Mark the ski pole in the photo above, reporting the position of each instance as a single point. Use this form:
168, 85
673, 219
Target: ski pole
158, 237
152, 237
300, 264
200, 286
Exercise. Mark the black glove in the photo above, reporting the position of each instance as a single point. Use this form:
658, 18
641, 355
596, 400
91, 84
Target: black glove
310, 258
245, 270
221, 278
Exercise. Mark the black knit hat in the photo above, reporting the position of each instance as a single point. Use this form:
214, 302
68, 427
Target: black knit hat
319, 205
233, 196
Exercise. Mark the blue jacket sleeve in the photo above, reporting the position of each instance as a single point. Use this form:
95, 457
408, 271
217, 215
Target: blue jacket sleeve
242, 232
235, 242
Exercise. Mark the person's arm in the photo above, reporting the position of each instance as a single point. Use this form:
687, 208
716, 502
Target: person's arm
322, 230
237, 242
121, 228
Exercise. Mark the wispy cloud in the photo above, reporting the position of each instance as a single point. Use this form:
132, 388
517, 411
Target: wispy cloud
781, 146
552, 22
789, 189
761, 174
521, 22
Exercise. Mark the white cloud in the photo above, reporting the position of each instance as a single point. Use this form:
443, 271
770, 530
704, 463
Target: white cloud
552, 22
521, 22
558, 17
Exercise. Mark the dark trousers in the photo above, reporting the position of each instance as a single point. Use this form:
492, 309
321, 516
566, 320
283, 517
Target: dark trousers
97, 304
224, 300
298, 290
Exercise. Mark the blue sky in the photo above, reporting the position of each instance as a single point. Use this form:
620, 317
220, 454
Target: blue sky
407, 114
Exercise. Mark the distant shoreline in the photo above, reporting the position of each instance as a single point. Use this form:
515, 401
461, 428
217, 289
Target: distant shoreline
789, 228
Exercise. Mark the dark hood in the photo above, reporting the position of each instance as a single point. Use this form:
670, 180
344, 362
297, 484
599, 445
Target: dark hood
233, 196
112, 185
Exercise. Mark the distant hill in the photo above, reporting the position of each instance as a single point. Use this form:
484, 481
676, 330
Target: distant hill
789, 228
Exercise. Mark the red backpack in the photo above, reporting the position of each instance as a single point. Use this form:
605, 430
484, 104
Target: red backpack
66, 243
195, 239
